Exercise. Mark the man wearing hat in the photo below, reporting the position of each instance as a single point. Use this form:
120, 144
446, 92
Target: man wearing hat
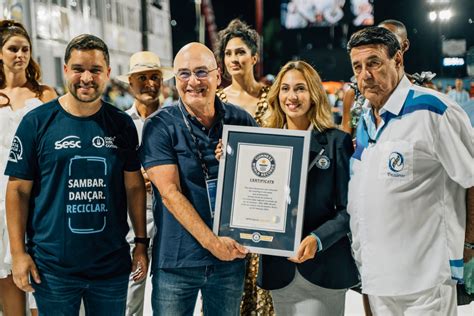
145, 78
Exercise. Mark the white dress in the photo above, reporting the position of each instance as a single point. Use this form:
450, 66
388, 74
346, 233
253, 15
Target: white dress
9, 121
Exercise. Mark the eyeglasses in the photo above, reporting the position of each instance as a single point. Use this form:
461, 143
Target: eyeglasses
200, 74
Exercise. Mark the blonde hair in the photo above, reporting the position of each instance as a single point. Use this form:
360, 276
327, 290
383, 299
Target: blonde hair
319, 114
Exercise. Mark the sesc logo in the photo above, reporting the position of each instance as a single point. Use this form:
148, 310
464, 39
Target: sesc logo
70, 141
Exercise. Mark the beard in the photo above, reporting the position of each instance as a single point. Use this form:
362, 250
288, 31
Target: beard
85, 98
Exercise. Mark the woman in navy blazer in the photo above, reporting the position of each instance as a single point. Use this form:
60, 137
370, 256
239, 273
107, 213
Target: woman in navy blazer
316, 279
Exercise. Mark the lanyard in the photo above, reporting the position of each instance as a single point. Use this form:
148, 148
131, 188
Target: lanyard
195, 141
315, 160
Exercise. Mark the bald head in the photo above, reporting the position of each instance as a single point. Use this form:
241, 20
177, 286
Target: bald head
400, 31
194, 51
197, 77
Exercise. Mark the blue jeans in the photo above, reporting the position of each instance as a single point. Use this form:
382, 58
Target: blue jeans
59, 296
175, 290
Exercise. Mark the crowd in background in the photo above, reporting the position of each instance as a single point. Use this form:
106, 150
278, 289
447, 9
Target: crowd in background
159, 150
118, 94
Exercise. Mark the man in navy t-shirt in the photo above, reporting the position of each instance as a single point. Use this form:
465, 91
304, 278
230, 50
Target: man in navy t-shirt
177, 152
73, 170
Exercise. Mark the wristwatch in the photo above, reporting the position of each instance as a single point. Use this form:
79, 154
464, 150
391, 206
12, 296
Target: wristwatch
142, 240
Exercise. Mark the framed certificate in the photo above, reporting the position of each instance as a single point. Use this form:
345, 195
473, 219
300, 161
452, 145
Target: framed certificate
261, 188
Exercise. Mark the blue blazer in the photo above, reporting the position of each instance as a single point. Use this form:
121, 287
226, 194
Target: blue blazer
325, 214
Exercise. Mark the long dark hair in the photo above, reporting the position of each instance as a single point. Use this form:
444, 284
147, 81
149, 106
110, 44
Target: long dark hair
240, 29
8, 29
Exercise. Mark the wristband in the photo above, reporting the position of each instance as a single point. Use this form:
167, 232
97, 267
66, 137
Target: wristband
142, 240
468, 245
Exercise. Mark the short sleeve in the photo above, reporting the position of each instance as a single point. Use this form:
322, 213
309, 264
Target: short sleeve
22, 162
132, 162
454, 146
156, 148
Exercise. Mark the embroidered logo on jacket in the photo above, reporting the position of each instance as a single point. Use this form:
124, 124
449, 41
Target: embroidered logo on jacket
323, 162
396, 162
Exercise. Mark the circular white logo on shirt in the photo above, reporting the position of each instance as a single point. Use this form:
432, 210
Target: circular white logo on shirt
396, 162
98, 142
263, 165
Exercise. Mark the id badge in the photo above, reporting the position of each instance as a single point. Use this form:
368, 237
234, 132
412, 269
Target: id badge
211, 186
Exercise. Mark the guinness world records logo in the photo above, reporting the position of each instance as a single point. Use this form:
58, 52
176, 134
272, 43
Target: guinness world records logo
256, 237
263, 165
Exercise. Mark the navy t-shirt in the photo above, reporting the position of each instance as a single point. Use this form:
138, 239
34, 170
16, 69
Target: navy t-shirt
166, 140
77, 219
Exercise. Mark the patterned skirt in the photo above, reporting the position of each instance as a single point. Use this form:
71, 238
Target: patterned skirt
255, 301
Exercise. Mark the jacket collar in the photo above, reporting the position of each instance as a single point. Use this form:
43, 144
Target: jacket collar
393, 104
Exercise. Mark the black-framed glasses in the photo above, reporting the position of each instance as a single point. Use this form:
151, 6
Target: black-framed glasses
200, 74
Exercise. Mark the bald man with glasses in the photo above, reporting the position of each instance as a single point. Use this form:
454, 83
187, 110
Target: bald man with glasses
177, 153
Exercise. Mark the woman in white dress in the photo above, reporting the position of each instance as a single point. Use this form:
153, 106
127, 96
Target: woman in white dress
20, 92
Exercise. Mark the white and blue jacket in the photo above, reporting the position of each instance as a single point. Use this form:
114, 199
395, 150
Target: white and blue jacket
407, 192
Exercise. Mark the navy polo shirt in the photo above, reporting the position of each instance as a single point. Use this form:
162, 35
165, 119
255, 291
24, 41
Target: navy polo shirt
166, 140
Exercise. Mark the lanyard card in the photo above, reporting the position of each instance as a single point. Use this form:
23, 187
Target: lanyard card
211, 186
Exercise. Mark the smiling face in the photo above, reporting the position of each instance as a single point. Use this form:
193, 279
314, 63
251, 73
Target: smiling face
16, 54
238, 57
86, 74
377, 74
146, 86
195, 92
294, 97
